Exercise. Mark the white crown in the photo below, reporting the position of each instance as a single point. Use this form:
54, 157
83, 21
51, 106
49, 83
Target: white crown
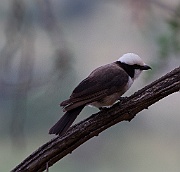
131, 59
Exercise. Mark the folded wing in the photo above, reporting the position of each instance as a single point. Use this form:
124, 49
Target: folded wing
102, 82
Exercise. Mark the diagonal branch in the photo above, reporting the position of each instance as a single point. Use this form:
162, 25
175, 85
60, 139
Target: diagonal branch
54, 150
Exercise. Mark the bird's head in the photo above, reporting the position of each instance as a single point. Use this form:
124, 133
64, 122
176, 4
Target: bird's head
133, 62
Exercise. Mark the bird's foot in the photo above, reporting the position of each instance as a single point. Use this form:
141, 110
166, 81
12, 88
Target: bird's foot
103, 108
121, 99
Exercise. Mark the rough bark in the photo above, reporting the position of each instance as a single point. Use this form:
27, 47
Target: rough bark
54, 150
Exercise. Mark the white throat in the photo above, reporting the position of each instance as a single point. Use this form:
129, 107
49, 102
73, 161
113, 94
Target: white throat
137, 72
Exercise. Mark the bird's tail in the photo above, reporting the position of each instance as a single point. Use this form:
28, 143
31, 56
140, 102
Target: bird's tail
66, 120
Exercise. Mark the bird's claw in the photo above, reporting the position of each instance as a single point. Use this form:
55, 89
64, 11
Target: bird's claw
103, 108
122, 99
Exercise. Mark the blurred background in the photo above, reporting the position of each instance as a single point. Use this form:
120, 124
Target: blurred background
48, 46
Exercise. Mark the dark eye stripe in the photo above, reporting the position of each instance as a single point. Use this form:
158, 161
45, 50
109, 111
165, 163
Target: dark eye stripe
137, 67
128, 68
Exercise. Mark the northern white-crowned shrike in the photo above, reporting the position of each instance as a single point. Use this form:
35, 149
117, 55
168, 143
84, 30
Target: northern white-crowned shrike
103, 87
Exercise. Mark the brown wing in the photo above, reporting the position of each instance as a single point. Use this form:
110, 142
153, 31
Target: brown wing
102, 82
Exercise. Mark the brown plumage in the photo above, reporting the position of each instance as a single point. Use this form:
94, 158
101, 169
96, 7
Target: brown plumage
102, 82
101, 88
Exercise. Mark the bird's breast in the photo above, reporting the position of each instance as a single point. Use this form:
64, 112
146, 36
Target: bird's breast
107, 101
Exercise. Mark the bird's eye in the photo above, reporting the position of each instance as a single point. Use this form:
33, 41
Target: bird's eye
137, 67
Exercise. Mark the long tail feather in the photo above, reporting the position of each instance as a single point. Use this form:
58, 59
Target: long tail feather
66, 121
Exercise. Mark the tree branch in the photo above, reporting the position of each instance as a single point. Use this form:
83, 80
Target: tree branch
126, 109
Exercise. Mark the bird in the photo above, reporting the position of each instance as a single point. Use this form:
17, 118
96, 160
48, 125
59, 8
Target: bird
102, 88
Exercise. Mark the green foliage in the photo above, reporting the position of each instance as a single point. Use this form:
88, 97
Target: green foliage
164, 47
169, 43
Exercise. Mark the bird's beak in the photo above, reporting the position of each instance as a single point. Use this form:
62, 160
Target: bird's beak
145, 67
